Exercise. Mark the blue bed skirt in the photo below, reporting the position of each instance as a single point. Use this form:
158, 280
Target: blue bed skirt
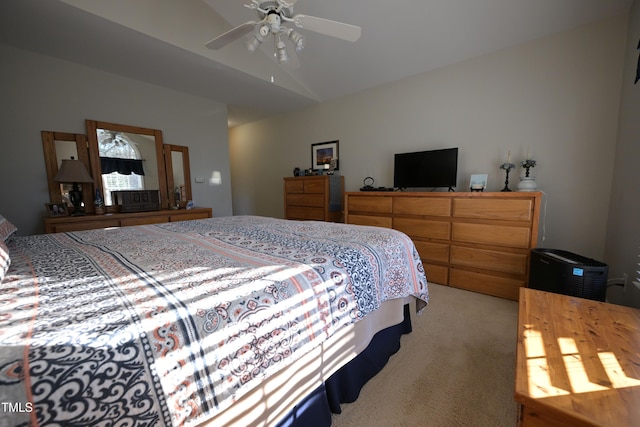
344, 386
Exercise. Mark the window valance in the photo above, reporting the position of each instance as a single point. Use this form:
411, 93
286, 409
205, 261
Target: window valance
122, 166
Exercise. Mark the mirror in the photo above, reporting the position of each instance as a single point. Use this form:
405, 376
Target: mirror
178, 176
58, 146
134, 156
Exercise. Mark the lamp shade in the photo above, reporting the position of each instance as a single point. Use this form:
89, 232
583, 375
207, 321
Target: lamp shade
72, 171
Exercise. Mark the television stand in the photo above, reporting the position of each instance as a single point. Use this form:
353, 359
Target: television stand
451, 190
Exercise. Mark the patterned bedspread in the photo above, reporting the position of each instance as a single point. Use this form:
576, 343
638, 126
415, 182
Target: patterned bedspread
168, 324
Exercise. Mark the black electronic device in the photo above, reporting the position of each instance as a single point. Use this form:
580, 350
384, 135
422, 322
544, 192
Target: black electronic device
368, 184
426, 169
566, 273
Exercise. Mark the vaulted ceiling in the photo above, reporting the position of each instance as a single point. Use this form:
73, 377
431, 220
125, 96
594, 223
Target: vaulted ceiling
162, 42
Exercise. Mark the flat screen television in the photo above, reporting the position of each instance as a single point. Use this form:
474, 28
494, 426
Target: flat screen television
431, 169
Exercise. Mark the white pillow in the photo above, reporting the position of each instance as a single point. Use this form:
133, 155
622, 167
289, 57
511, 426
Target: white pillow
6, 229
5, 260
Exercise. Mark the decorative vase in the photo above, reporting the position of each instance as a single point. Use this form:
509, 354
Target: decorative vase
98, 204
527, 183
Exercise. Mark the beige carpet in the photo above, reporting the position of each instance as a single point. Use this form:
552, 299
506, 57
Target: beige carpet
455, 369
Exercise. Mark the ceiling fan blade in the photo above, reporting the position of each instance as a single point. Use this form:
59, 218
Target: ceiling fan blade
233, 34
287, 3
340, 30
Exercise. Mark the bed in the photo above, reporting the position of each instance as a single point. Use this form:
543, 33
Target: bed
222, 321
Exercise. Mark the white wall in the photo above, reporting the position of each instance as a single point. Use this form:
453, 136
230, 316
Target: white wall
623, 231
558, 96
43, 93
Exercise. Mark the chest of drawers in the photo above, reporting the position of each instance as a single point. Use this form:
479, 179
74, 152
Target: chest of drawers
316, 198
471, 240
91, 221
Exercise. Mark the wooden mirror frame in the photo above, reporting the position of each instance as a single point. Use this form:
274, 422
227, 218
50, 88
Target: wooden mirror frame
94, 157
51, 164
168, 160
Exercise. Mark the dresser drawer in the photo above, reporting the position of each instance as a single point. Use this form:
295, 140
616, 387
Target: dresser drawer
428, 251
423, 228
511, 263
503, 287
294, 186
431, 206
307, 213
504, 210
314, 186
499, 235
373, 204
188, 216
376, 221
313, 200
437, 274
87, 225
159, 219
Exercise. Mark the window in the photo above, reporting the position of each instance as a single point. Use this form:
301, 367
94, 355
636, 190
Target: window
113, 146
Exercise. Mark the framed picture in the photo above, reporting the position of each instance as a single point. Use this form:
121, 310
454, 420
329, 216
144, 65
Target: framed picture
478, 182
57, 209
324, 155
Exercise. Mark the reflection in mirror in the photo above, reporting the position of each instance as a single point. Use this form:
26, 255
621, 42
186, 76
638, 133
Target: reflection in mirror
58, 146
122, 161
65, 150
178, 175
127, 158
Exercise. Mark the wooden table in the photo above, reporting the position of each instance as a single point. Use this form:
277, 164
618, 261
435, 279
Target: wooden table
577, 361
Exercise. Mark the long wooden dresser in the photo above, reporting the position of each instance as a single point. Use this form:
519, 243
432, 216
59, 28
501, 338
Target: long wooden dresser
471, 240
92, 221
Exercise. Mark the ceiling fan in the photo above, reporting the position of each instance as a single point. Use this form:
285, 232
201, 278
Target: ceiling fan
273, 16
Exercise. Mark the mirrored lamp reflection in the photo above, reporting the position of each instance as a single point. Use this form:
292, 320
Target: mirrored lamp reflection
74, 172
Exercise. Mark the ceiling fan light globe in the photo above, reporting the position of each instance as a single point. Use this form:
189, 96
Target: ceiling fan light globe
297, 39
283, 56
253, 44
263, 31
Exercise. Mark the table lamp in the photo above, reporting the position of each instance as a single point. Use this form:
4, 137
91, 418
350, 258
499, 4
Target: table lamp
74, 171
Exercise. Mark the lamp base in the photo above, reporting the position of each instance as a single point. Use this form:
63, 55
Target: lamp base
75, 196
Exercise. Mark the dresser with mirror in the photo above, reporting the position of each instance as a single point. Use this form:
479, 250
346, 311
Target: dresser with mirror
121, 160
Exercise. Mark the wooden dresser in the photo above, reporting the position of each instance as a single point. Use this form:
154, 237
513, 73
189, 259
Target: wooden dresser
577, 362
316, 198
92, 221
471, 240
